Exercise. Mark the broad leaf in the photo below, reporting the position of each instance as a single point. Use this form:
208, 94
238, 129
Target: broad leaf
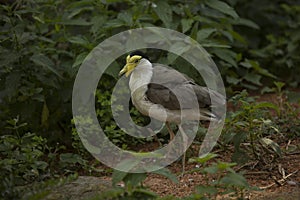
245, 22
222, 7
134, 179
203, 159
167, 173
186, 24
205, 33
164, 12
42, 60
226, 55
118, 176
235, 179
253, 78
267, 105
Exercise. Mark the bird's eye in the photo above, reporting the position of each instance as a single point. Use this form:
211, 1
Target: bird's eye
136, 61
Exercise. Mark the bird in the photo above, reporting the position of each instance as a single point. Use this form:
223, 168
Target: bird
165, 94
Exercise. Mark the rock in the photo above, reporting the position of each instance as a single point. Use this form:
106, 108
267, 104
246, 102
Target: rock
83, 187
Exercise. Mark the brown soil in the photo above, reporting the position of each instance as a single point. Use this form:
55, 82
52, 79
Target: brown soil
267, 179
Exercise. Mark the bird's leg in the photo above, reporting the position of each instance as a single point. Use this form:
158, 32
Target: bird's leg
172, 135
185, 141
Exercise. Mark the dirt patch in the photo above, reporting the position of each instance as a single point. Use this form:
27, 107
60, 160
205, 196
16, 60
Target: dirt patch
275, 188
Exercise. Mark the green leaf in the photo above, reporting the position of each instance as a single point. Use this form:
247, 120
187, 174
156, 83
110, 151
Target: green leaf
42, 165
228, 35
71, 158
81, 40
259, 69
79, 59
45, 115
222, 7
246, 64
75, 22
194, 31
79, 10
179, 48
118, 176
245, 22
114, 23
225, 165
216, 45
279, 85
164, 12
167, 173
186, 24
238, 37
146, 194
232, 80
126, 17
205, 33
267, 90
226, 55
134, 179
249, 86
235, 179
267, 105
203, 159
265, 72
212, 190
253, 78
42, 60
211, 170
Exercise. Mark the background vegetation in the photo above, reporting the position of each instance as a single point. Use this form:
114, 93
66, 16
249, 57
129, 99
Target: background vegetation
43, 43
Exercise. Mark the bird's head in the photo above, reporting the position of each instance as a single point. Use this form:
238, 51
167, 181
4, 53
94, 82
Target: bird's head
132, 60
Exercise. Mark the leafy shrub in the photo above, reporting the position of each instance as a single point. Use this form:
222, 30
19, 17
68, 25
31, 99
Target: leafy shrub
44, 43
275, 46
251, 122
225, 181
21, 160
26, 160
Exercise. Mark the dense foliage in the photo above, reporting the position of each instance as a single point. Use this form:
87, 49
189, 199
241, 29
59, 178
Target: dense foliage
43, 43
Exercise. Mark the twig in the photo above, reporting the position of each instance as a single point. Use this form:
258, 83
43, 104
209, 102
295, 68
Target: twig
281, 181
288, 144
293, 153
260, 172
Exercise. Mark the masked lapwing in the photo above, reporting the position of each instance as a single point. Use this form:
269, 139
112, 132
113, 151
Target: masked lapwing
167, 95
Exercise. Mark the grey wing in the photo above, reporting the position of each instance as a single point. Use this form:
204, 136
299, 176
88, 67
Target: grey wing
169, 86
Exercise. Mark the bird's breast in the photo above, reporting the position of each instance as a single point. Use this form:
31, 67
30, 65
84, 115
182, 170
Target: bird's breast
139, 80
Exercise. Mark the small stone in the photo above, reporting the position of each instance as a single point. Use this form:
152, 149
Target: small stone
293, 183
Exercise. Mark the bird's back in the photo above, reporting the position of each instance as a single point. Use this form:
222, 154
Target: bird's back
176, 91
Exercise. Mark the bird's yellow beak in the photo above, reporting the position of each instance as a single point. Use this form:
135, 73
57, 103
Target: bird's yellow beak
123, 70
127, 69
130, 65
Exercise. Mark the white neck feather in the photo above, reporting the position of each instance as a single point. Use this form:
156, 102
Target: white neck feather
141, 77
